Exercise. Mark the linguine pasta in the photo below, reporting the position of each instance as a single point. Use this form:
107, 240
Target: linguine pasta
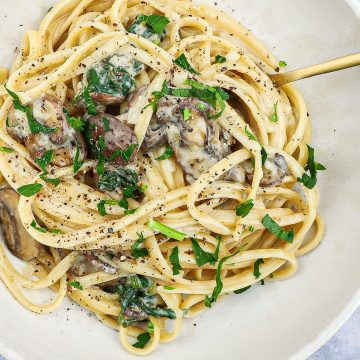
194, 232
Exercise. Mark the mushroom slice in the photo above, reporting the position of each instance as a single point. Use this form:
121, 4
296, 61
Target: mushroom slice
197, 141
47, 111
275, 169
17, 239
116, 135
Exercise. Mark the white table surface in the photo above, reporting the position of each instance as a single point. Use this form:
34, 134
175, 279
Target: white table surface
344, 345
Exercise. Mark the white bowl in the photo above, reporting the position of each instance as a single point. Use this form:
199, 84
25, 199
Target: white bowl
281, 320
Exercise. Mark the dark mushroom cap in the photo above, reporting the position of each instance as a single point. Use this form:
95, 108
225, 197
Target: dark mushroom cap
116, 135
17, 239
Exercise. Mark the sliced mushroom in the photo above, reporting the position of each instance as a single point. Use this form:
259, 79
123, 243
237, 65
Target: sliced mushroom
155, 135
113, 79
17, 239
47, 111
93, 261
116, 136
198, 142
275, 169
88, 264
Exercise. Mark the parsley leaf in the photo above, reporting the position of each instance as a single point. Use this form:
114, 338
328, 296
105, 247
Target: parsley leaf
55, 231
89, 102
169, 152
38, 228
186, 114
29, 190
219, 284
274, 228
168, 287
203, 257
6, 149
157, 22
102, 203
215, 96
165, 230
244, 208
313, 167
219, 59
77, 123
282, 63
142, 340
106, 123
77, 163
183, 62
240, 291
137, 249
34, 125
54, 181
251, 136
45, 160
174, 259
257, 264
76, 285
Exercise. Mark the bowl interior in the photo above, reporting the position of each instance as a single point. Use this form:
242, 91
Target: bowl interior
280, 320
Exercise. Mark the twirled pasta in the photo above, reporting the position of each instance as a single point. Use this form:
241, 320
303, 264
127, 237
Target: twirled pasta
73, 37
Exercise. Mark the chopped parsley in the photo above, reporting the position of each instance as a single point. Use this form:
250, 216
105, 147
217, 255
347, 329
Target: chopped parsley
106, 123
274, 228
6, 149
215, 96
219, 284
186, 114
29, 190
183, 62
38, 228
251, 136
142, 340
251, 228
76, 285
156, 22
240, 291
77, 162
89, 102
282, 63
45, 160
203, 257
137, 249
44, 230
257, 264
77, 123
34, 125
174, 259
169, 152
313, 167
244, 208
168, 287
219, 59
165, 230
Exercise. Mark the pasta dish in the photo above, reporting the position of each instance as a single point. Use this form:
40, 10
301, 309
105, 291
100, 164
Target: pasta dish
149, 165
